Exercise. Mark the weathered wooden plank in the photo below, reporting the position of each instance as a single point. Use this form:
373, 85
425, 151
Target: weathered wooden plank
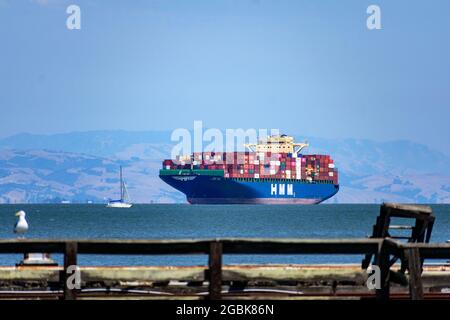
317, 280
215, 270
188, 241
300, 246
32, 274
115, 246
162, 247
200, 247
409, 207
31, 246
70, 260
383, 262
430, 250
346, 273
436, 275
415, 271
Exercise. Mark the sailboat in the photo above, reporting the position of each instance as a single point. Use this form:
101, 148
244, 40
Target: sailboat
124, 201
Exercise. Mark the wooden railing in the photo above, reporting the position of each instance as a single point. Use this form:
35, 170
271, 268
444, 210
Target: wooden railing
216, 248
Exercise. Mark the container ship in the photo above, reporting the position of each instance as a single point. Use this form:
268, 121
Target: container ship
272, 171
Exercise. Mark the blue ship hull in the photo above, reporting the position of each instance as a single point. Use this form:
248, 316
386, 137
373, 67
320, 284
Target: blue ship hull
203, 189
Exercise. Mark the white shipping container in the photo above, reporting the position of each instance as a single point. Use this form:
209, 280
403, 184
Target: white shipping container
331, 174
272, 171
331, 165
256, 162
256, 175
167, 167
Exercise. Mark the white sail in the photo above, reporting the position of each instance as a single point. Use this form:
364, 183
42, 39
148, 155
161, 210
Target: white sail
126, 196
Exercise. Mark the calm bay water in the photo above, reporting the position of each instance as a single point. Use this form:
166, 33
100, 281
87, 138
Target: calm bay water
187, 221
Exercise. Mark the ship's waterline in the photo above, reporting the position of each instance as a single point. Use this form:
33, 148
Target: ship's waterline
251, 201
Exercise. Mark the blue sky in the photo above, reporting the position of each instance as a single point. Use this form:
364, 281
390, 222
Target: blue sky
305, 67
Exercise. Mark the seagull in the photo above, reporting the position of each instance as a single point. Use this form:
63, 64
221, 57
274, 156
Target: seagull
21, 225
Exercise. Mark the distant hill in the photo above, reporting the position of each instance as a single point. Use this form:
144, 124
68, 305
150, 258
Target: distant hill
40, 176
99, 143
83, 166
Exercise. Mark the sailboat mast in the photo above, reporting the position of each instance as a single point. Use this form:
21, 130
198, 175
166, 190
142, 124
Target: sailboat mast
121, 184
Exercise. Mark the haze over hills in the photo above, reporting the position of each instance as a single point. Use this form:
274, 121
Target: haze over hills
99, 143
83, 166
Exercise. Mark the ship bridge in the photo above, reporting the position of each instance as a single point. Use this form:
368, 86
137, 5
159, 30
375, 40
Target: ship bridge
277, 144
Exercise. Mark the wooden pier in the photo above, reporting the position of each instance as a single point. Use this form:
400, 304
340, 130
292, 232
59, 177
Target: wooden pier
216, 281
403, 274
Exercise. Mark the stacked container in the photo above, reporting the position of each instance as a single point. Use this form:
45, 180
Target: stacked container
259, 165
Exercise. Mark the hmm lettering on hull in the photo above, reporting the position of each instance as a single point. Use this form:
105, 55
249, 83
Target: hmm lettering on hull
282, 189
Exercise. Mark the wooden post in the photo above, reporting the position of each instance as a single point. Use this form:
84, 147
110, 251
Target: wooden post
415, 271
215, 270
384, 265
70, 259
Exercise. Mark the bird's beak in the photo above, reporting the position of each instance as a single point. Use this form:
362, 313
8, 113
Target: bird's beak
17, 214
